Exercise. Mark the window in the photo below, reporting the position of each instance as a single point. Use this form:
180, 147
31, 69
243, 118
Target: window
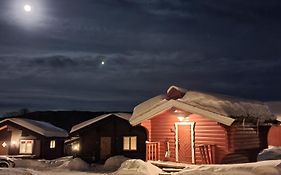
130, 143
26, 146
52, 144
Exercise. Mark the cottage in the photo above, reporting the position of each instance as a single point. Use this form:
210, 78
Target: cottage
196, 127
107, 135
21, 137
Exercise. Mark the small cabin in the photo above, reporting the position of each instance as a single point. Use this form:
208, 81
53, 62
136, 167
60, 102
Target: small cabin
202, 128
107, 135
27, 138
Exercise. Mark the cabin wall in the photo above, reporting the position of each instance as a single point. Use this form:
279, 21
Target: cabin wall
209, 132
274, 135
51, 153
162, 129
247, 141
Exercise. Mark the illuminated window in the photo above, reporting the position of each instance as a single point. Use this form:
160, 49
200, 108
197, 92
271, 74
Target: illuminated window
130, 143
75, 146
52, 144
26, 146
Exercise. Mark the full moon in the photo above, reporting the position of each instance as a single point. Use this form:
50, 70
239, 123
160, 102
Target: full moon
27, 8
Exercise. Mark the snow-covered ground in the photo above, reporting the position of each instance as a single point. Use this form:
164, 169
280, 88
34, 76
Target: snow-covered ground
69, 166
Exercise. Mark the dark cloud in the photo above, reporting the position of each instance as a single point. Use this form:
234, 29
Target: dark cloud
52, 60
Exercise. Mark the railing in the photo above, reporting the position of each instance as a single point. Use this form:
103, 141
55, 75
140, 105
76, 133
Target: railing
152, 150
207, 153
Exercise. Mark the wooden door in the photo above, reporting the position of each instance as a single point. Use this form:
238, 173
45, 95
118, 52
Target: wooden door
184, 143
105, 147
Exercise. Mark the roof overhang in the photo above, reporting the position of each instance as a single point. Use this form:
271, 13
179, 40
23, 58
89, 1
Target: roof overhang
183, 106
124, 116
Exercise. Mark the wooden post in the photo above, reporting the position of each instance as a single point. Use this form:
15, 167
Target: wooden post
158, 151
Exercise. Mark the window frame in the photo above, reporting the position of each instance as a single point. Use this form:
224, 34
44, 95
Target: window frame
130, 143
25, 146
52, 144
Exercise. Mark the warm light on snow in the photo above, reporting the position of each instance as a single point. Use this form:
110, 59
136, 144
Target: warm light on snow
27, 8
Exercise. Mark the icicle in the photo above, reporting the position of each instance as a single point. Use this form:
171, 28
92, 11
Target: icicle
243, 123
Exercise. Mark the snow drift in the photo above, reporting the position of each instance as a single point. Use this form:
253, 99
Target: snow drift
257, 168
76, 164
113, 163
137, 167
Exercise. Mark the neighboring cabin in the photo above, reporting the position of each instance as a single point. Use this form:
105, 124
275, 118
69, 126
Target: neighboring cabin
21, 137
107, 135
196, 127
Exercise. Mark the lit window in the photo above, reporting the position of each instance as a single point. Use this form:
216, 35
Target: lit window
130, 143
75, 146
26, 146
52, 144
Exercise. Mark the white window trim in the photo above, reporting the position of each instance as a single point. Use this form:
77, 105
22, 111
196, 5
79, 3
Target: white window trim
192, 124
130, 149
32, 141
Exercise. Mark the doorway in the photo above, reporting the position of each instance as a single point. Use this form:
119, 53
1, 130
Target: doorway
185, 142
105, 147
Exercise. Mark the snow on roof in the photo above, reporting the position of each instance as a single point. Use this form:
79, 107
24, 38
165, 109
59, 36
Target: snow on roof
228, 106
275, 108
221, 108
40, 127
182, 90
125, 116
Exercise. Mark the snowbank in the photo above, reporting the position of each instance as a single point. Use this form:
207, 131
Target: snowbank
137, 167
76, 164
28, 163
113, 163
273, 153
258, 168
13, 171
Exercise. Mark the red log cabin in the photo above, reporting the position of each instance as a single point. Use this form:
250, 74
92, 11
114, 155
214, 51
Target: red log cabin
196, 127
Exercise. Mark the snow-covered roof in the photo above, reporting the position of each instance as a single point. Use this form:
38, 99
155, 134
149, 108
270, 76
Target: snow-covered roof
40, 127
221, 108
275, 108
125, 116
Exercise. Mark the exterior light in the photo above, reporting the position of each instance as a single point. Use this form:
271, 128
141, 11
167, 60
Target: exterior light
13, 142
4, 144
180, 118
75, 147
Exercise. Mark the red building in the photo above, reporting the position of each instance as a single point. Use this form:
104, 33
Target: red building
196, 127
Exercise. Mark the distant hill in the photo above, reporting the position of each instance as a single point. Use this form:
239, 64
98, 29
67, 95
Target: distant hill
62, 119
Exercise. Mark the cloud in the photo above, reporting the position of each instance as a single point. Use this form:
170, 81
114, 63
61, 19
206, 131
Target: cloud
228, 47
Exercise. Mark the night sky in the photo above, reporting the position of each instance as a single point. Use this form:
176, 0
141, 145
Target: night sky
51, 57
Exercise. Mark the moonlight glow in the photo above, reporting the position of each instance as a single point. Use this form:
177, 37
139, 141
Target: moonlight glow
102, 62
27, 8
